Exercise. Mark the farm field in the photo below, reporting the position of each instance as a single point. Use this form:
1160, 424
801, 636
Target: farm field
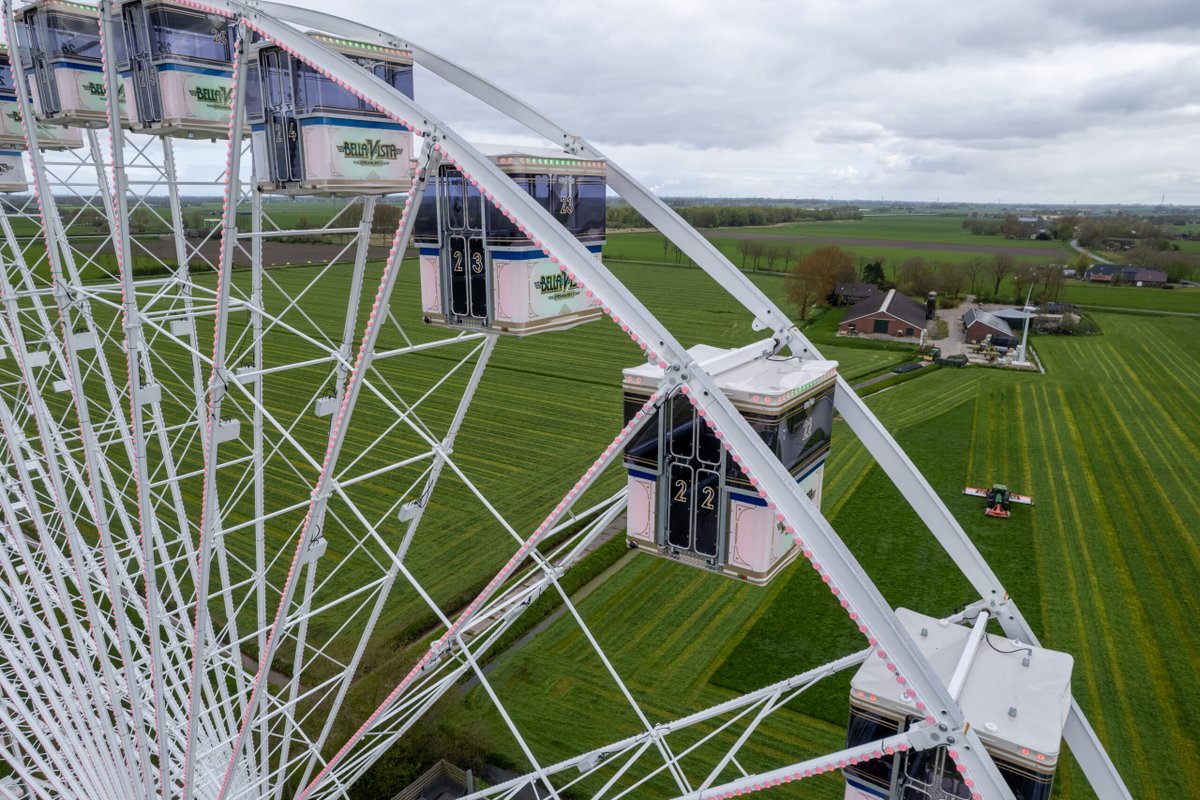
546, 407
549, 403
649, 247
1092, 294
939, 228
892, 238
285, 213
1106, 441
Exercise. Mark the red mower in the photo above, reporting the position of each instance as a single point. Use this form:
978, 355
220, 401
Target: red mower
998, 499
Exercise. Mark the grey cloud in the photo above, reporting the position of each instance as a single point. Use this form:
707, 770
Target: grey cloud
850, 131
1124, 18
1170, 85
863, 91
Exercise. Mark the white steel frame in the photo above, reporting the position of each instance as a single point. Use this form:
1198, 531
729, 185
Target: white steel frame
127, 601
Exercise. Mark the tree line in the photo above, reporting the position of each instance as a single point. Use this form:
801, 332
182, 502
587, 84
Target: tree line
732, 216
814, 277
1010, 226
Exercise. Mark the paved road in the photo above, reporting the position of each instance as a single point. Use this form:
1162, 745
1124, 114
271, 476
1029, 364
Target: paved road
955, 342
1086, 252
883, 377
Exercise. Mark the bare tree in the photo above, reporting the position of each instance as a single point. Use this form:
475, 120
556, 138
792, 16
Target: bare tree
814, 276
1026, 276
1001, 266
973, 268
1054, 282
743, 247
951, 279
1010, 227
916, 276
758, 249
772, 255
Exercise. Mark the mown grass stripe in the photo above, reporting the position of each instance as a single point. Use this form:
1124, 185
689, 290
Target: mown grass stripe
1054, 498
1133, 600
1132, 448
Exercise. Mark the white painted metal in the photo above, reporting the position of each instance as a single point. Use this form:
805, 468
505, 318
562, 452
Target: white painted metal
968, 655
189, 529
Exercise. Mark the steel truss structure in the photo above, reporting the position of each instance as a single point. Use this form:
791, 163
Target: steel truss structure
194, 553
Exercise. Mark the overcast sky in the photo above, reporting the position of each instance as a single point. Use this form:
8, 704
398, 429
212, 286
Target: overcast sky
1012, 100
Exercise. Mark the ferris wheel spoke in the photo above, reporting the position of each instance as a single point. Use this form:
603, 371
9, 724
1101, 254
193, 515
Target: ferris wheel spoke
137, 765
76, 625
309, 544
376, 727
41, 691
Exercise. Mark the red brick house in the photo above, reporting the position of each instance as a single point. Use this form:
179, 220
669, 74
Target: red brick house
892, 313
979, 324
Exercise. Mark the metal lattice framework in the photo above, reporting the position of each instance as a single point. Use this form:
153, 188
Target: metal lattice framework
192, 568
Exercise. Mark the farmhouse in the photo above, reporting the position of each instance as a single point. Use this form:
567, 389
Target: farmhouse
1148, 277
980, 324
849, 293
1103, 273
892, 313
1125, 273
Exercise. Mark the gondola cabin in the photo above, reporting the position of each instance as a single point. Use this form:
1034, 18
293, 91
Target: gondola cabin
12, 130
311, 136
176, 64
1016, 696
59, 45
687, 499
12, 171
479, 271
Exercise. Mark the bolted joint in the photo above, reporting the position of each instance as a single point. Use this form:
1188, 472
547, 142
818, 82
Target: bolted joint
925, 736
668, 382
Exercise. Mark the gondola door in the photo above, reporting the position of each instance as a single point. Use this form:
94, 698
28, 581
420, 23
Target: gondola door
43, 73
693, 517
283, 131
139, 38
467, 290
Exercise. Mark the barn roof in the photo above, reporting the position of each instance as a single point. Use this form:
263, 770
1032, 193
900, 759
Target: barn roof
986, 318
1013, 315
893, 304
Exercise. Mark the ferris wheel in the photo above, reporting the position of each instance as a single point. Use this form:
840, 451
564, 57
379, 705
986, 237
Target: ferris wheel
215, 475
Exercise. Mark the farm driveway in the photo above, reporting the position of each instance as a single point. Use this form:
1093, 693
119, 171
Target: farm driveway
956, 341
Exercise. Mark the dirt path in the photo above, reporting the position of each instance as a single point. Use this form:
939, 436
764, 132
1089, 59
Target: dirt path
274, 676
553, 616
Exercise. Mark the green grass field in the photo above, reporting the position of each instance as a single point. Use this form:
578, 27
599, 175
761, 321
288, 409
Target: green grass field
641, 246
892, 238
1142, 297
546, 407
1101, 564
916, 228
1106, 441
